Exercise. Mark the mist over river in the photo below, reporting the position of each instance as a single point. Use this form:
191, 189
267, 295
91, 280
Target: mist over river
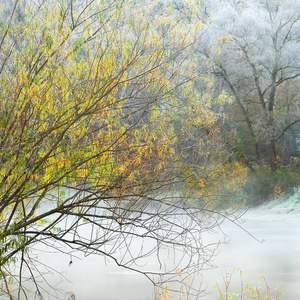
276, 257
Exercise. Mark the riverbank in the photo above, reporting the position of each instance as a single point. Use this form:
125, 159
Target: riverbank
269, 245
285, 207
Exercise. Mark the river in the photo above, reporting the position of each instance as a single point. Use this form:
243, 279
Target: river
276, 256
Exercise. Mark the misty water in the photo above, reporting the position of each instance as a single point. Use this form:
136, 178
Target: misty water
268, 244
277, 258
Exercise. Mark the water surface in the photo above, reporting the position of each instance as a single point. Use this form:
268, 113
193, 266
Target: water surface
277, 258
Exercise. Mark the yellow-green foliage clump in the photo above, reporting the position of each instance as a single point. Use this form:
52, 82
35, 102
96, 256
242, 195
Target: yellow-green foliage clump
260, 291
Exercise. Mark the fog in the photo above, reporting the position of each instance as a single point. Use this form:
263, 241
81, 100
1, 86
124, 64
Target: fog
276, 257
266, 241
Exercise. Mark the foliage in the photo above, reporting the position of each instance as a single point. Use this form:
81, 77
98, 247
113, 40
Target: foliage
256, 60
99, 106
240, 186
164, 295
262, 291
265, 184
226, 179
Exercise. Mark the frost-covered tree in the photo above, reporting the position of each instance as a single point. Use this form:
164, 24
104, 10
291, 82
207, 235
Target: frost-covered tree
257, 60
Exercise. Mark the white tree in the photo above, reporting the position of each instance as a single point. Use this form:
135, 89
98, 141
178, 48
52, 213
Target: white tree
259, 64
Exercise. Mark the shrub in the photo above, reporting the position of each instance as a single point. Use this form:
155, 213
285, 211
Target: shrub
265, 184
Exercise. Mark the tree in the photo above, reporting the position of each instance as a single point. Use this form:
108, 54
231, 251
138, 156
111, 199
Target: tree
258, 64
91, 136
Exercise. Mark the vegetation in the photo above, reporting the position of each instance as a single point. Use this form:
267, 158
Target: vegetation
255, 60
225, 290
261, 291
122, 118
103, 119
261, 74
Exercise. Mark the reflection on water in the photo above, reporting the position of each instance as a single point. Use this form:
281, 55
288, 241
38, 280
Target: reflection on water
277, 258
